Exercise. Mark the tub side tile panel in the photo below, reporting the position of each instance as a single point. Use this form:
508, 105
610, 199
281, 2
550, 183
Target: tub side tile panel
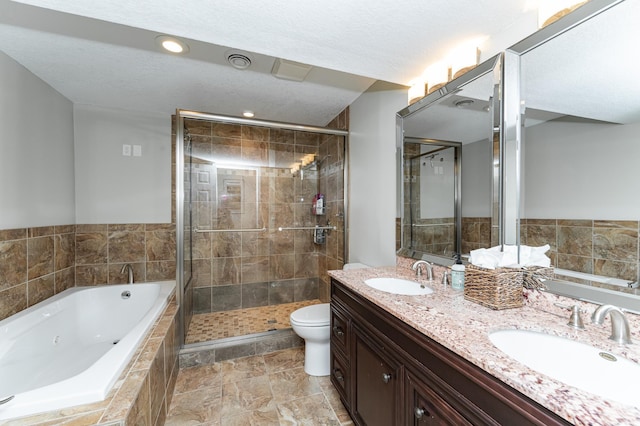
146, 358
140, 412
157, 383
135, 384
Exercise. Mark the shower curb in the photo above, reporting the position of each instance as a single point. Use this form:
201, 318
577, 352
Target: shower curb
236, 347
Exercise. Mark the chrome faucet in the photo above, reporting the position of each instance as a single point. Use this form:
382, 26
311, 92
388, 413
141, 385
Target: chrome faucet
416, 267
619, 324
129, 268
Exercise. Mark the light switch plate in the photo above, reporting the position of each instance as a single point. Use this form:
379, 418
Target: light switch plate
137, 150
126, 150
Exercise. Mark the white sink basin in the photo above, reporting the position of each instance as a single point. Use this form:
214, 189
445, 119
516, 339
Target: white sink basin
576, 364
398, 286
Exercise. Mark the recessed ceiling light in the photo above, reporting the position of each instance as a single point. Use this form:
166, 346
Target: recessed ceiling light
172, 44
248, 114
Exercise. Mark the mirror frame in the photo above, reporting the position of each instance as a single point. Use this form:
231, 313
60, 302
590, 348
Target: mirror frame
448, 90
513, 123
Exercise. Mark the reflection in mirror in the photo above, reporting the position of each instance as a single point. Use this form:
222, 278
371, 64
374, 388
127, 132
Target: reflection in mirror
581, 179
431, 177
448, 142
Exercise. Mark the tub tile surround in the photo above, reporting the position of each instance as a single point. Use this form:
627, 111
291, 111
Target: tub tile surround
143, 392
102, 250
463, 327
601, 247
37, 263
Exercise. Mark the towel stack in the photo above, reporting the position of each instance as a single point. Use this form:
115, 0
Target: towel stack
495, 257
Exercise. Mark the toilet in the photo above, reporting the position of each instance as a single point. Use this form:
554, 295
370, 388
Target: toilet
312, 324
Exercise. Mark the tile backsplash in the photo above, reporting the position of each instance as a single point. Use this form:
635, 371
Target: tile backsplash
37, 263
601, 247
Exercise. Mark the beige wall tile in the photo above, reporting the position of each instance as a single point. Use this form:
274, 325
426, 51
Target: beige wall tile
13, 263
40, 289
40, 258
13, 300
126, 246
91, 247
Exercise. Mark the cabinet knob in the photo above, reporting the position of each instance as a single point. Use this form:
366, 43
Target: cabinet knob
338, 375
386, 377
338, 331
420, 412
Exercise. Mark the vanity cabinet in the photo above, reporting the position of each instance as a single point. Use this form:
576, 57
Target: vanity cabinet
388, 373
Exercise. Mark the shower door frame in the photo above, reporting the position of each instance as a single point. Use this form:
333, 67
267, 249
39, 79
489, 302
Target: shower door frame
181, 115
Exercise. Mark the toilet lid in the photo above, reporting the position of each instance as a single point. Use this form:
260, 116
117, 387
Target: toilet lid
312, 315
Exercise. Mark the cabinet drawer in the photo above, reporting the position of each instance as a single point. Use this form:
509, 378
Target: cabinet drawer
426, 407
340, 376
339, 329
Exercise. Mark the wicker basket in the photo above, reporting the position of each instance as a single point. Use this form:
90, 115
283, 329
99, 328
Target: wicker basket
499, 288
532, 275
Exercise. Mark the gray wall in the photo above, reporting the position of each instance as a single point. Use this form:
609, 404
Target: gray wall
582, 171
36, 151
477, 169
372, 169
112, 188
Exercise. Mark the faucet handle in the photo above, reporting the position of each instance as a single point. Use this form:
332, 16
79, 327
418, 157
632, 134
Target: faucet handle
445, 278
575, 320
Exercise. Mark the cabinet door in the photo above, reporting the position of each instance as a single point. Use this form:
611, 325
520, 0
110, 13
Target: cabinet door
426, 407
378, 384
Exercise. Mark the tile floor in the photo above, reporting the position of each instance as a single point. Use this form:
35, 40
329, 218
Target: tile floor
240, 322
270, 389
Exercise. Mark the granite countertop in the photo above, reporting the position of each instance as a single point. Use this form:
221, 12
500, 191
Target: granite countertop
463, 327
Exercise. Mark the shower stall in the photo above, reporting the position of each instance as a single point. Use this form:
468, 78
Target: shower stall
260, 219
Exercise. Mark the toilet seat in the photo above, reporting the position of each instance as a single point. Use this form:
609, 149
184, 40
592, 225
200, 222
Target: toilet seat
312, 316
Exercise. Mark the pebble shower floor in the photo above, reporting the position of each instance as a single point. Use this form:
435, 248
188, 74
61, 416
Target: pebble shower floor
240, 322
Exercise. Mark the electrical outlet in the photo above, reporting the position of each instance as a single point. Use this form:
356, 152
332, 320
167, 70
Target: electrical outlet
126, 150
137, 150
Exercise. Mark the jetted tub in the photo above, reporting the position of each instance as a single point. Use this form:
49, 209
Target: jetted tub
71, 348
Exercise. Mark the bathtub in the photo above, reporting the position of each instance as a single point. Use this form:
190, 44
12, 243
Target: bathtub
71, 348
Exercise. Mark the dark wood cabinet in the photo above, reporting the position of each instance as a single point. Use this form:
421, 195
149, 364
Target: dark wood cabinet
387, 373
425, 407
377, 379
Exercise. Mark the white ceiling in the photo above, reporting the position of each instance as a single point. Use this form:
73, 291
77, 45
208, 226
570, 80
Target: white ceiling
103, 53
590, 71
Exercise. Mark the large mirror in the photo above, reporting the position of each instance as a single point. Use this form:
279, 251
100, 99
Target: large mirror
447, 143
580, 162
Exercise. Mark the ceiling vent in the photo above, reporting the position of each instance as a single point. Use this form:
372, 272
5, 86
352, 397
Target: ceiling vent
289, 70
238, 60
